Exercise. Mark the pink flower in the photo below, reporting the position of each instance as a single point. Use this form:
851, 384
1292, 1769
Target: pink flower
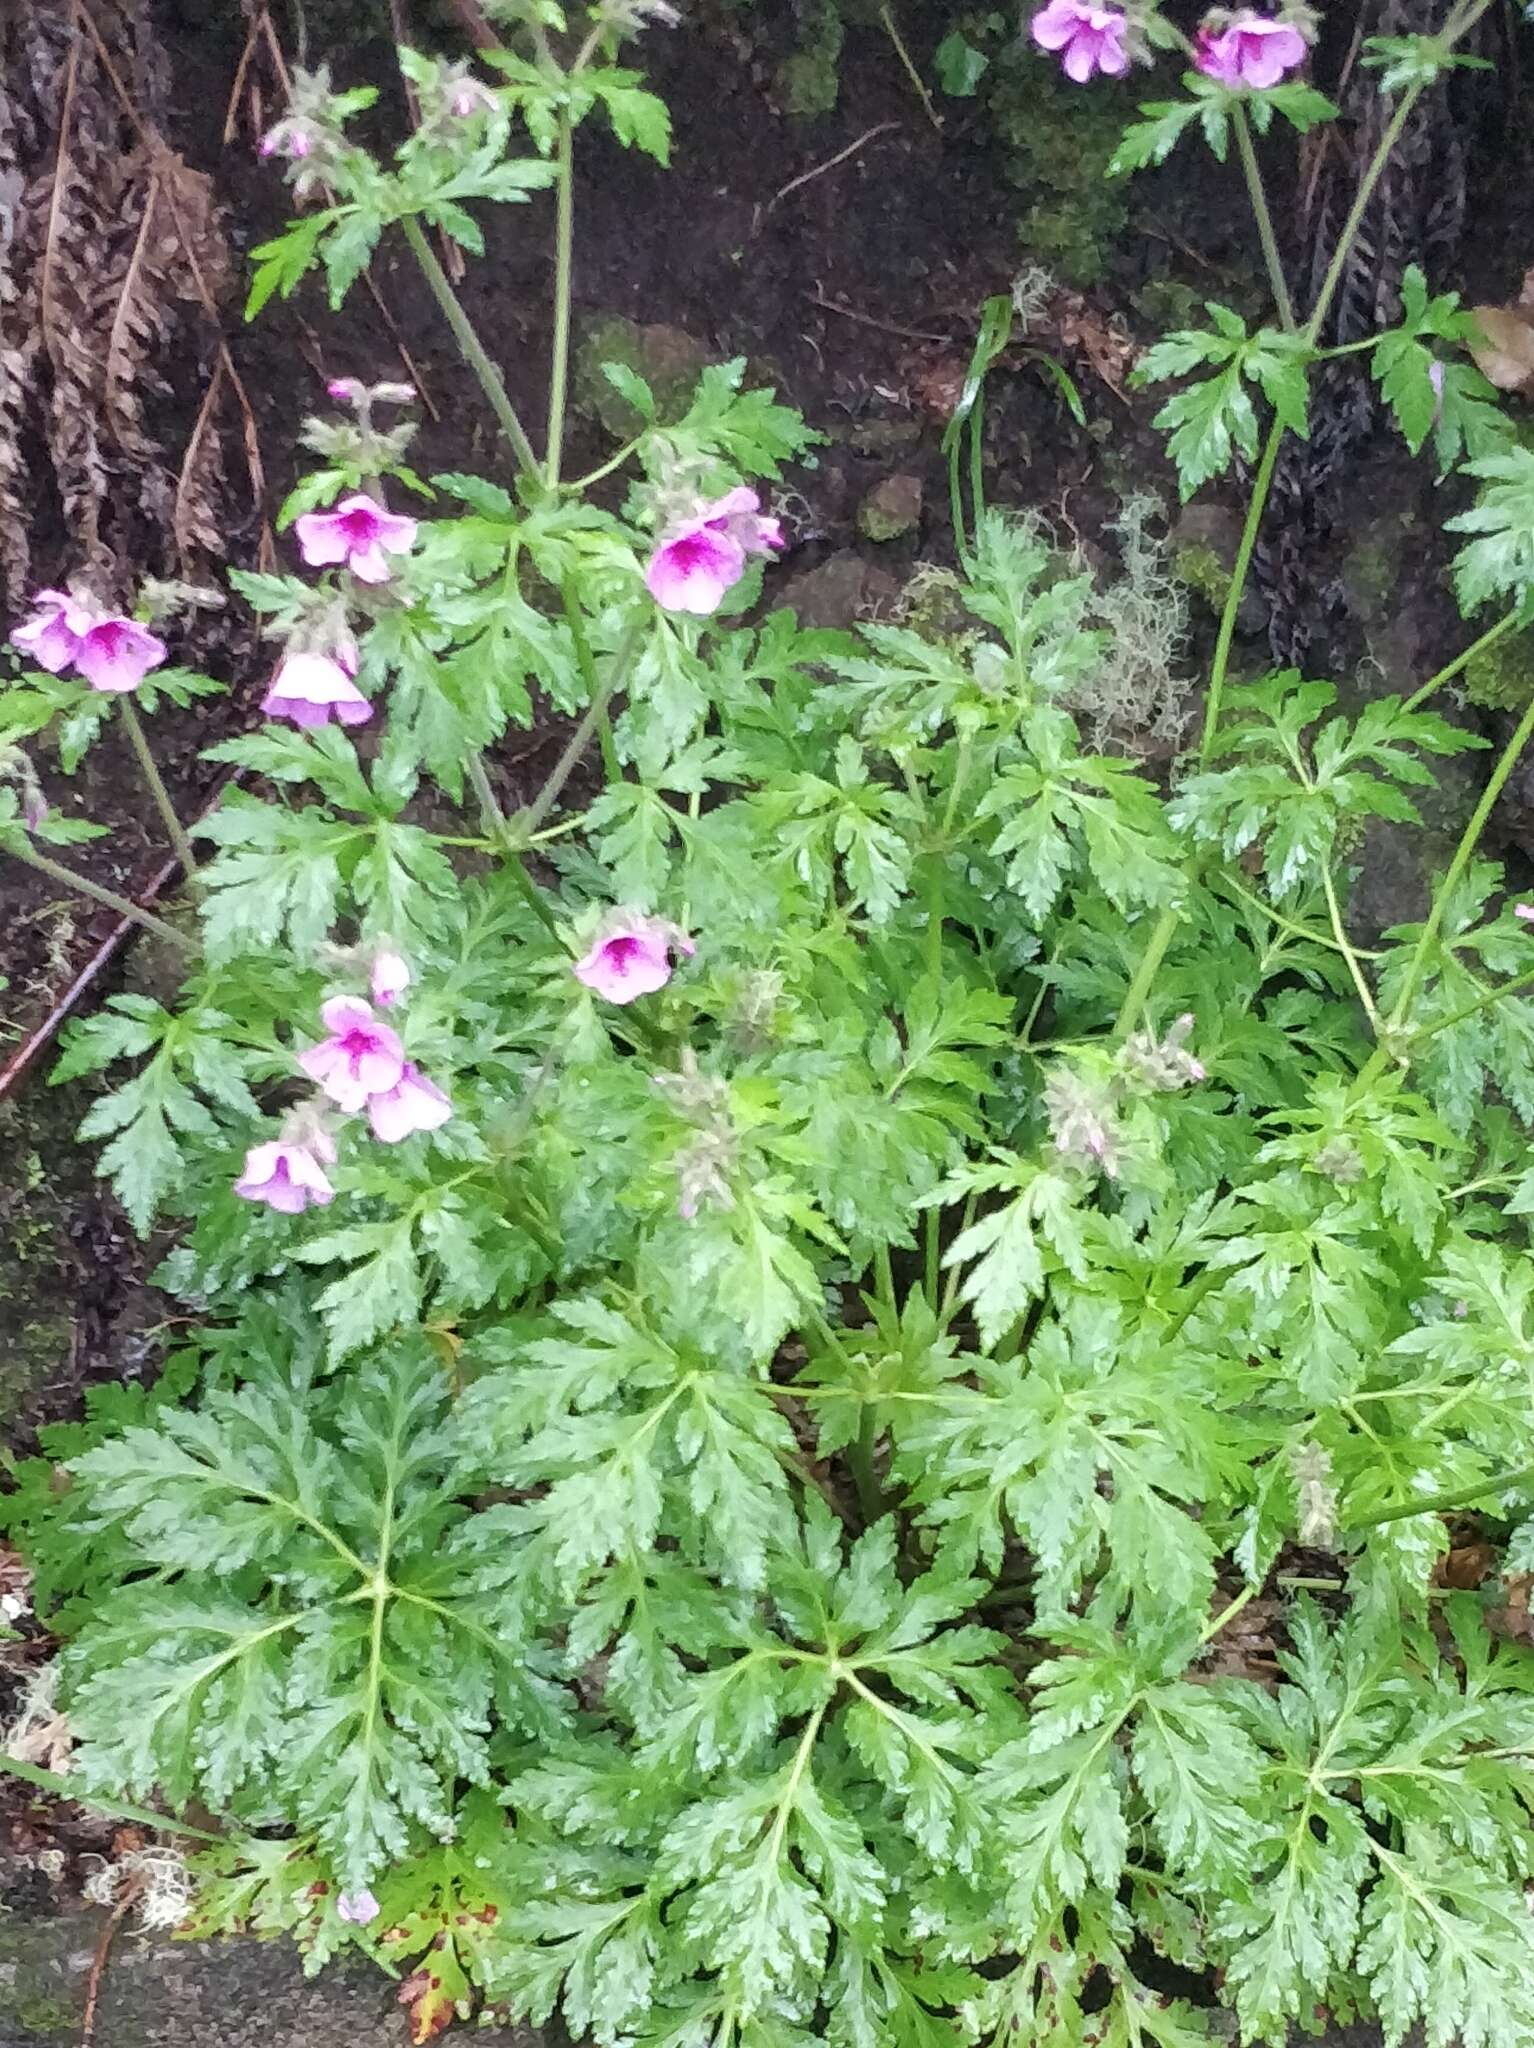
359, 1907
1525, 911
289, 1175
412, 1104
311, 689
358, 533
113, 653
704, 556
53, 634
361, 1057
1251, 52
390, 977
344, 390
632, 957
1092, 38
116, 654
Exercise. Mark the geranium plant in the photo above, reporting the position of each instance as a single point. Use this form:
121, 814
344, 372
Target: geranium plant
762, 1329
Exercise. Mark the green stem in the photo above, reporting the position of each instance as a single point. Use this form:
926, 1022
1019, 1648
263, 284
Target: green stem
470, 346
1360, 206
1262, 483
119, 1809
499, 833
159, 794
564, 250
1345, 948
1264, 219
489, 804
612, 766
886, 1277
528, 820
1485, 1002
1434, 1503
595, 476
1146, 972
107, 898
1463, 853
1461, 661
1228, 1614
860, 1457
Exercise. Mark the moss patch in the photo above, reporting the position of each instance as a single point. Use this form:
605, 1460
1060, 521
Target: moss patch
1201, 571
1058, 141
1501, 677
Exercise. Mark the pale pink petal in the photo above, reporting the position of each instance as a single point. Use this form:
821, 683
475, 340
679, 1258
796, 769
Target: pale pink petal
389, 979
340, 1014
413, 1104
322, 539
117, 653
369, 564
1525, 911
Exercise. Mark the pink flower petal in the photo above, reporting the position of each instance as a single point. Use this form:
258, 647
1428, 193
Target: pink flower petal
693, 570
413, 1104
117, 653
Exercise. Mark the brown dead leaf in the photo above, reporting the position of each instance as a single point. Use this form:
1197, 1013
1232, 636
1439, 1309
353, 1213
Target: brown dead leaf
1466, 1567
1505, 355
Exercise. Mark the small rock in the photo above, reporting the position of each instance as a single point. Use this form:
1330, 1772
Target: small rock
891, 508
668, 358
838, 593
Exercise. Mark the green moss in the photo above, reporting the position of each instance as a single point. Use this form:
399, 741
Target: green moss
1167, 303
1371, 575
1200, 570
1058, 141
808, 82
1501, 677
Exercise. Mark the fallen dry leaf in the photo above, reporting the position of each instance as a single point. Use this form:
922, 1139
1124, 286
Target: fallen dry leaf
1505, 357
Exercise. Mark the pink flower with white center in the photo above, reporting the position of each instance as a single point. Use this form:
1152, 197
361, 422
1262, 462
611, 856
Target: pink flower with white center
116, 654
361, 1057
389, 977
412, 1104
703, 557
357, 532
358, 1907
1090, 38
1250, 52
310, 688
52, 636
290, 1174
631, 956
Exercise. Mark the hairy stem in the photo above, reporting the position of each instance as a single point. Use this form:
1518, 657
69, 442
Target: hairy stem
159, 794
1434, 1503
528, 820
470, 346
107, 898
1264, 219
1461, 661
1146, 972
1488, 1001
860, 1456
1463, 854
611, 765
564, 251
1345, 948
1219, 667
